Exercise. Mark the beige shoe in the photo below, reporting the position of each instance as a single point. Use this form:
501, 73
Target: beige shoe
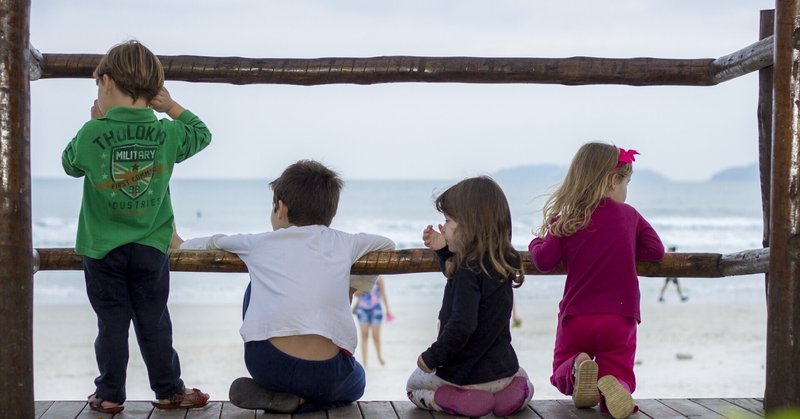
618, 401
585, 393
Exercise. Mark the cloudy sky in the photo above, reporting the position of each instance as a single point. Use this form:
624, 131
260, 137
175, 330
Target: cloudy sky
415, 130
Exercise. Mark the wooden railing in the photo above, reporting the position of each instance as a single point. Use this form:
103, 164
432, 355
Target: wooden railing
686, 265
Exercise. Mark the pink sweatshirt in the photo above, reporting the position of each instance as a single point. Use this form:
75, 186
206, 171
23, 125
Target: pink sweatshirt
600, 261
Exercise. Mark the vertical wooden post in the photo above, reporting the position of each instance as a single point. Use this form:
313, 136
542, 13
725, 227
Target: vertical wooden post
16, 274
16, 270
783, 294
767, 28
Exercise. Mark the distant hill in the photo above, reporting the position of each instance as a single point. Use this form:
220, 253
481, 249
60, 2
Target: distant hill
547, 173
550, 173
737, 174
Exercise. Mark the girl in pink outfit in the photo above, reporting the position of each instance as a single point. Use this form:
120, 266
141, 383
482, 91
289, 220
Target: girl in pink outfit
588, 227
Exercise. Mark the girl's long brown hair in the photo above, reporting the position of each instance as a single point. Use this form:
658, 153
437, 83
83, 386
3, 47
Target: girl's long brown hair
481, 210
592, 172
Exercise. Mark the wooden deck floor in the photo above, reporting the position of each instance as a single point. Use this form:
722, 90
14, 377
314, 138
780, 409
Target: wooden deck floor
538, 409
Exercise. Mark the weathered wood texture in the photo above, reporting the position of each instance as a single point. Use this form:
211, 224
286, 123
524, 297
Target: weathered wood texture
764, 114
537, 409
697, 265
395, 69
783, 293
748, 59
16, 274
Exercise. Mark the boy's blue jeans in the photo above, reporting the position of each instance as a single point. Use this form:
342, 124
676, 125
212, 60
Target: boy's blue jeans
327, 384
323, 385
131, 283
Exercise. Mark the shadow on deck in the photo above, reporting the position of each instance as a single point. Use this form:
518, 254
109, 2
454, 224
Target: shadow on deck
538, 409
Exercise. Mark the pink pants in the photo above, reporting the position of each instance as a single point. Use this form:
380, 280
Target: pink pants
607, 338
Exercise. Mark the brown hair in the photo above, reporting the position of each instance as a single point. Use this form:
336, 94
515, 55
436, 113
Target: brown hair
481, 210
310, 191
134, 68
590, 175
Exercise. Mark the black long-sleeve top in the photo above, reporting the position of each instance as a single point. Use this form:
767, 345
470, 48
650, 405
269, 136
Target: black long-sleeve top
474, 341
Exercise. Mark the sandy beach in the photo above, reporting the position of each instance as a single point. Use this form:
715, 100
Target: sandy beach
693, 349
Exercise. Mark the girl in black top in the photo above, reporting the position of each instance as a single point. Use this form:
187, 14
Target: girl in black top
471, 369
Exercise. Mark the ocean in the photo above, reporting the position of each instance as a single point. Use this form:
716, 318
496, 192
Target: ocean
715, 217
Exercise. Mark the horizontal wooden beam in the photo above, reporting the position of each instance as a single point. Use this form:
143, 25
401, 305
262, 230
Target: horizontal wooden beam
393, 69
697, 265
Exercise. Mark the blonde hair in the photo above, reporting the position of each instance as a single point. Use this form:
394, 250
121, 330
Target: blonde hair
481, 210
134, 68
592, 172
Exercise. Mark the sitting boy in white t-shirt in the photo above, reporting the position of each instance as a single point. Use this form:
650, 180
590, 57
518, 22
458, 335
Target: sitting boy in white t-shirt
298, 330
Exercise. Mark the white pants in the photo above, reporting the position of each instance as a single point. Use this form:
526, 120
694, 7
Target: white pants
421, 387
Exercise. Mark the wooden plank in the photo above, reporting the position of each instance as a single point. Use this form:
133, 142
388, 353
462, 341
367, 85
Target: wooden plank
62, 410
725, 408
442, 415
551, 409
212, 410
403, 409
40, 407
229, 411
690, 408
754, 405
656, 409
527, 413
591, 413
310, 415
135, 410
377, 410
406, 410
168, 414
88, 413
260, 414
346, 412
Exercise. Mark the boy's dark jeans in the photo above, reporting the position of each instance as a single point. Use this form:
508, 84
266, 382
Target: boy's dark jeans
323, 385
131, 283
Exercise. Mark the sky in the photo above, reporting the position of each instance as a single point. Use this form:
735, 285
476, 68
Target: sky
418, 130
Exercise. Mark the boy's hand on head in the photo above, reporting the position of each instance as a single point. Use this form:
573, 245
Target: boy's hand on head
164, 103
95, 112
433, 239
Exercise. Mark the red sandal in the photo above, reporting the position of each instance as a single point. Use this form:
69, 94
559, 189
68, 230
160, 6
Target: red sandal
183, 400
96, 404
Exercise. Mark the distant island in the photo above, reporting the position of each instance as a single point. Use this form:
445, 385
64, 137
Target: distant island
551, 173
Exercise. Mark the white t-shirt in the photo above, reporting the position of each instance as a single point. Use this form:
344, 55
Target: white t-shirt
300, 280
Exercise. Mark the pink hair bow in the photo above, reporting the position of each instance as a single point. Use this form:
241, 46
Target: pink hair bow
626, 156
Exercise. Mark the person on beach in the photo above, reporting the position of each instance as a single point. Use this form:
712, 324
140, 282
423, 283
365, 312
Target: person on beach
126, 157
598, 238
298, 329
369, 310
472, 369
673, 280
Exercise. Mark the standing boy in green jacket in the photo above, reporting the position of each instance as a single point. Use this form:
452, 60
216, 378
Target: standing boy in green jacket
126, 156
